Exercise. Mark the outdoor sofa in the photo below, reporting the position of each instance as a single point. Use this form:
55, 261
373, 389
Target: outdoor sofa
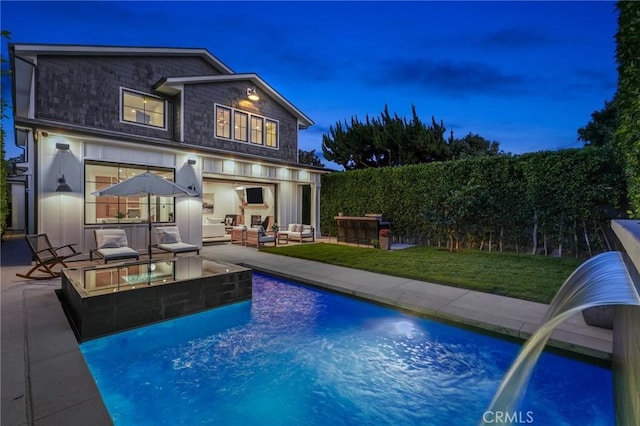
299, 232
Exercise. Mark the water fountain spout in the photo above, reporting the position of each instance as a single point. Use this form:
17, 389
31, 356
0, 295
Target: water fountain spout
602, 280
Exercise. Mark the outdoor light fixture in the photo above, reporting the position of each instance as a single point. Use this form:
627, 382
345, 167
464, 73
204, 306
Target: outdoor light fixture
191, 161
62, 146
252, 94
62, 185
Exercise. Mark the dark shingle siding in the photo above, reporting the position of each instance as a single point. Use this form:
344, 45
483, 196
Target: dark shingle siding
84, 91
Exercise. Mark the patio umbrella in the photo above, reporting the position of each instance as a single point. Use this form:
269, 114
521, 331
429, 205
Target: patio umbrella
147, 184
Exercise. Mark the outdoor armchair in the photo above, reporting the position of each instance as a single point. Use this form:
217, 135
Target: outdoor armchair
46, 257
256, 237
112, 244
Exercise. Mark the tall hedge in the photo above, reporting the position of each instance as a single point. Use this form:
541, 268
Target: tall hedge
541, 202
628, 96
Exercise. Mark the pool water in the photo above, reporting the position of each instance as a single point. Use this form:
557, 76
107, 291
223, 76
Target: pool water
296, 355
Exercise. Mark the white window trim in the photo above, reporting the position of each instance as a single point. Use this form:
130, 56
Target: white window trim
249, 115
133, 123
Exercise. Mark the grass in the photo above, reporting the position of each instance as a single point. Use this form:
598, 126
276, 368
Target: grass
535, 278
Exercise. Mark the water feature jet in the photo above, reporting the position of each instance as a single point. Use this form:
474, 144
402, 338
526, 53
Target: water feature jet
603, 280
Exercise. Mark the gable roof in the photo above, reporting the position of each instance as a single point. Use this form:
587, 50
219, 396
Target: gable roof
94, 50
171, 86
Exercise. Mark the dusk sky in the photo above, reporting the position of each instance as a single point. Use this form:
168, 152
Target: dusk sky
526, 74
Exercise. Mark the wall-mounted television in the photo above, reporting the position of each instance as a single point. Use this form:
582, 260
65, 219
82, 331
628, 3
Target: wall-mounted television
254, 195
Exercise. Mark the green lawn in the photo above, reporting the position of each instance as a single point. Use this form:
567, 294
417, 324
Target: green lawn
535, 278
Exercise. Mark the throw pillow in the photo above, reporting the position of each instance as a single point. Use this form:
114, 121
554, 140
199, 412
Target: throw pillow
110, 241
298, 228
291, 227
169, 237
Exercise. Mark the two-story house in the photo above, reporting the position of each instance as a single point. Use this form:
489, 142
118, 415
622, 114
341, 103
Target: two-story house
91, 116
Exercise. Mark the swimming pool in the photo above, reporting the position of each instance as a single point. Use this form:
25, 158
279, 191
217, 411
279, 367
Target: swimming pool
300, 356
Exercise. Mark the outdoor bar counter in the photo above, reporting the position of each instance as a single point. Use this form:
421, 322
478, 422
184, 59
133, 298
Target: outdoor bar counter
360, 229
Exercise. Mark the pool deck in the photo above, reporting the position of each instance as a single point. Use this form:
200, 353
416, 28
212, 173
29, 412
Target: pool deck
45, 380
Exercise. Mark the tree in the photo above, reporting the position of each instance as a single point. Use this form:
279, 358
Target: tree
472, 145
386, 141
628, 97
600, 131
309, 157
4, 200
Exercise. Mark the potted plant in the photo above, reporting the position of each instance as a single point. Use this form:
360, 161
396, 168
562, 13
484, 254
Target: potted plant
385, 239
275, 227
119, 215
375, 243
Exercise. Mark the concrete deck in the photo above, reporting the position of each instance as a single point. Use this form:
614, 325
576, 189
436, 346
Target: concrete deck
45, 380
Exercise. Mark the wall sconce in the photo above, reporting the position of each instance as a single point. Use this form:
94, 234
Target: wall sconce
191, 161
62, 185
252, 94
62, 146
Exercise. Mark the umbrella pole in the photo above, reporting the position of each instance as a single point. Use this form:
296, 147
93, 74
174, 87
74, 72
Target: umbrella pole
149, 220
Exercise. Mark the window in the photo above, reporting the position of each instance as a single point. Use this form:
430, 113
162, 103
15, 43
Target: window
223, 122
272, 133
240, 126
142, 109
247, 127
114, 209
257, 124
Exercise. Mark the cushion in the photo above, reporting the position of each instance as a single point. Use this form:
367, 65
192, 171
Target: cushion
291, 227
213, 219
229, 220
169, 237
118, 253
297, 228
111, 241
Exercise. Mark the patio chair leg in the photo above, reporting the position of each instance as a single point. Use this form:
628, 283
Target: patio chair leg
41, 268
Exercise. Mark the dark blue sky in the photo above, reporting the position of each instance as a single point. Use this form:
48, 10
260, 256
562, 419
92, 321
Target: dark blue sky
527, 74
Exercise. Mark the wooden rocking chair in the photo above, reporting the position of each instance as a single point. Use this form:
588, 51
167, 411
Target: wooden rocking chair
46, 257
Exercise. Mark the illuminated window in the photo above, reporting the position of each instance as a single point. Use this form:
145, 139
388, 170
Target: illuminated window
113, 209
272, 133
240, 120
142, 109
247, 127
223, 122
257, 124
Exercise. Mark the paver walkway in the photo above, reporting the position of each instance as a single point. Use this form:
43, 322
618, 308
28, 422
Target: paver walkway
45, 380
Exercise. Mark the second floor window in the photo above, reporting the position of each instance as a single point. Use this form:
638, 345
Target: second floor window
142, 109
223, 123
256, 130
241, 126
272, 134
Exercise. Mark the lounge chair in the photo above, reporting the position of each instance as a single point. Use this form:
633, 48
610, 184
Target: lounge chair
112, 244
46, 257
169, 240
257, 237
